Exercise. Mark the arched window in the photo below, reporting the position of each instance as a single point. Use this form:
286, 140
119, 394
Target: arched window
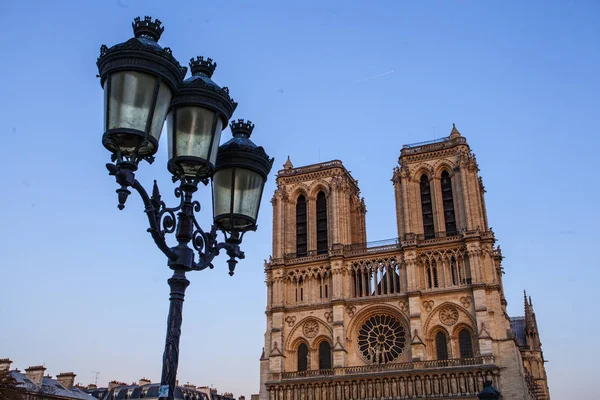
324, 286
432, 274
301, 231
455, 271
441, 346
465, 344
300, 290
302, 357
359, 277
321, 223
324, 355
426, 208
449, 216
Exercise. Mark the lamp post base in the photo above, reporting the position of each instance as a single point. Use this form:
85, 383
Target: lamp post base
178, 283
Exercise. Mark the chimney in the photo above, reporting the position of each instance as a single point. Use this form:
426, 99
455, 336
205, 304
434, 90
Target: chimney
67, 379
242, 398
189, 386
91, 386
36, 374
114, 384
5, 364
145, 381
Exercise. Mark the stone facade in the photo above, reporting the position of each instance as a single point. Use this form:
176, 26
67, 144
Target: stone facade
418, 316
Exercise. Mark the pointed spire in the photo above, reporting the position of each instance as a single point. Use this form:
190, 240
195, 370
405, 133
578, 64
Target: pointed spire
288, 164
454, 133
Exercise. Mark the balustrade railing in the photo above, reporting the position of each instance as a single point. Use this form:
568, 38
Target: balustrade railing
436, 144
380, 246
366, 369
439, 140
311, 168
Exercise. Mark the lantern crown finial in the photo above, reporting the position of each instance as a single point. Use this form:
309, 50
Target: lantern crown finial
200, 66
241, 129
147, 28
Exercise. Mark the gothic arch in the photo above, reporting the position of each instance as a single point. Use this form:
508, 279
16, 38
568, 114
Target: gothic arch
399, 349
442, 165
460, 326
464, 317
364, 314
431, 340
474, 347
297, 333
319, 186
420, 170
319, 339
296, 342
297, 190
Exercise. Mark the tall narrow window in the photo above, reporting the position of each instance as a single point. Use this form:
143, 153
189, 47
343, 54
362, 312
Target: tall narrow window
302, 357
426, 208
441, 346
324, 355
449, 216
358, 283
465, 344
301, 231
429, 277
454, 268
434, 273
321, 223
300, 290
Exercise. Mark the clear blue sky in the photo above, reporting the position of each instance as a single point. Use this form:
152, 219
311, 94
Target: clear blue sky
84, 287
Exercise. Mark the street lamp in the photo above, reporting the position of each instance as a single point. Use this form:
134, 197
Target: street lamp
143, 85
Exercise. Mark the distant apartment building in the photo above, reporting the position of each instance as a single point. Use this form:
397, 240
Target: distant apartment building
39, 386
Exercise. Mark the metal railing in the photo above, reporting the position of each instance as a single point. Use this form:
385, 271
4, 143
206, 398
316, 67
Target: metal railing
311, 168
439, 140
432, 145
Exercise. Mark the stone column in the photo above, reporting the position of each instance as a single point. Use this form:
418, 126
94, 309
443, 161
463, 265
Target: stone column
417, 346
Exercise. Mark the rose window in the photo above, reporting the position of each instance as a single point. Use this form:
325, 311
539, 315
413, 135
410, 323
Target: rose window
381, 339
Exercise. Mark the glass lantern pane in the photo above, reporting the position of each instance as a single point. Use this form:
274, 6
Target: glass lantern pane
193, 132
222, 192
248, 188
160, 110
215, 146
106, 97
130, 100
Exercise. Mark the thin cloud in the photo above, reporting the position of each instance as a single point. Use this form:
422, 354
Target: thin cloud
391, 71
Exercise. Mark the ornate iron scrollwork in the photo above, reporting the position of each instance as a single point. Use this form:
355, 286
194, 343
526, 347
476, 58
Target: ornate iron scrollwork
179, 220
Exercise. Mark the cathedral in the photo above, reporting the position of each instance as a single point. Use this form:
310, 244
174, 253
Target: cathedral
419, 316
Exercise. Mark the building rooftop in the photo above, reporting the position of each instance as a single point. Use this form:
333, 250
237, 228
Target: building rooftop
49, 386
454, 139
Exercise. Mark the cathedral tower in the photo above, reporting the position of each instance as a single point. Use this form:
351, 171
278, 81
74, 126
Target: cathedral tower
417, 316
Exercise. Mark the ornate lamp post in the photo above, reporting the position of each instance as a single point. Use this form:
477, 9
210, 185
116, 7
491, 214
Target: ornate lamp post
143, 85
